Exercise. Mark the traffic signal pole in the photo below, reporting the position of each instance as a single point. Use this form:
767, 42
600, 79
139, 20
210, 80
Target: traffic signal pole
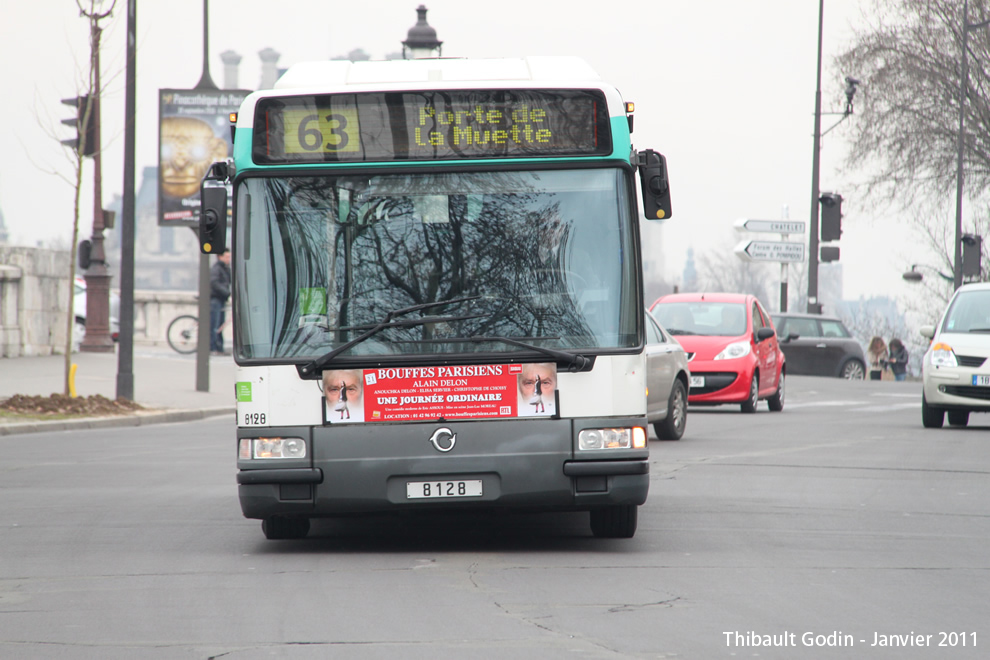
97, 338
814, 307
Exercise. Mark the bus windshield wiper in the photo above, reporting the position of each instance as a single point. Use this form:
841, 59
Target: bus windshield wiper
574, 361
388, 322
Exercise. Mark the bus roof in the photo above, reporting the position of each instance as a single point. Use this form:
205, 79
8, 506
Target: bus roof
341, 76
402, 73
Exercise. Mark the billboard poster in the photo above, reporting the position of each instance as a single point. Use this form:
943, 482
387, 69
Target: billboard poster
482, 391
193, 133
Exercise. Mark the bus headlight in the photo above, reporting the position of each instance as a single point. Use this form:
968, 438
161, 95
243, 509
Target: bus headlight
595, 439
271, 448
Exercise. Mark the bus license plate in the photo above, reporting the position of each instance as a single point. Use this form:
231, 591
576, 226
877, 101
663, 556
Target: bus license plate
981, 381
443, 489
697, 381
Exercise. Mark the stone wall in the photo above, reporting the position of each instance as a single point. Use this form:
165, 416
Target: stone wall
34, 295
34, 301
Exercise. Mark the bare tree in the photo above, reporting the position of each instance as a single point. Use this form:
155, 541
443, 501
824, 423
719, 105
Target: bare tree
907, 58
720, 269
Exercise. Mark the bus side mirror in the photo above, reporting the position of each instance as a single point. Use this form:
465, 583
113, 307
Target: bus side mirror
655, 184
213, 213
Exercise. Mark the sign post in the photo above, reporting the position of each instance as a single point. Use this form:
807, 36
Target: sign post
782, 251
779, 251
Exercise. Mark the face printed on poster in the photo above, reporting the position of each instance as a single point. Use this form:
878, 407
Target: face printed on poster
537, 384
343, 396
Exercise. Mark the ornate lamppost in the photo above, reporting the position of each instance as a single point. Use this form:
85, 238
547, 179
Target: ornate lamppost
421, 41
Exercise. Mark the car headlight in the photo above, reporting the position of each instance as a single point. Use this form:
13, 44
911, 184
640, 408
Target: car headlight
271, 448
595, 439
736, 349
943, 356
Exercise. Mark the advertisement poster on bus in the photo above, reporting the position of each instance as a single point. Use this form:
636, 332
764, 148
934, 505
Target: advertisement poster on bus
401, 394
193, 133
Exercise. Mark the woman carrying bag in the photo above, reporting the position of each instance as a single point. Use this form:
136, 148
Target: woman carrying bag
878, 357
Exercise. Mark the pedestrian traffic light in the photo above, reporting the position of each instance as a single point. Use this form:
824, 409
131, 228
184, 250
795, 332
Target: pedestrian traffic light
84, 129
831, 224
828, 253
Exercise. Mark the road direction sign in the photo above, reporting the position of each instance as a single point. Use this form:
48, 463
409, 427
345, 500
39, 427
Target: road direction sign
778, 226
782, 251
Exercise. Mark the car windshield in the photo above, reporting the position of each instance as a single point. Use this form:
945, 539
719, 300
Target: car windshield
542, 257
713, 319
970, 312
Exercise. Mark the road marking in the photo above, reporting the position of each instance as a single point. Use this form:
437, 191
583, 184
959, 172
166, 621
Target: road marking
857, 406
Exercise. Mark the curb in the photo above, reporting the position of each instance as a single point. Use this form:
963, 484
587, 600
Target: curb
140, 419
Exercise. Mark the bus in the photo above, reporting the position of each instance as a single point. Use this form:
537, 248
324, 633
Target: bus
437, 293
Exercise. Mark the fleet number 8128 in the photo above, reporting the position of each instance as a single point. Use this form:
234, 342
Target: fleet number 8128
254, 419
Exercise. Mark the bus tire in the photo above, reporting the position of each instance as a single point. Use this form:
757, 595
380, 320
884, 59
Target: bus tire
614, 522
280, 527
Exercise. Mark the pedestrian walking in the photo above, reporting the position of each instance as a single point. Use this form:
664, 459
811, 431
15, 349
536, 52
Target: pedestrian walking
219, 294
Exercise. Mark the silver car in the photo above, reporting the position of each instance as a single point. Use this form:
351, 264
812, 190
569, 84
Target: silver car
956, 368
667, 378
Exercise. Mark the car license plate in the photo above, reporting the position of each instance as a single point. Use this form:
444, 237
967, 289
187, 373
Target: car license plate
697, 381
443, 489
981, 381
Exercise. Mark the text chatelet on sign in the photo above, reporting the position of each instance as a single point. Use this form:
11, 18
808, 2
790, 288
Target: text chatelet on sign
429, 393
431, 125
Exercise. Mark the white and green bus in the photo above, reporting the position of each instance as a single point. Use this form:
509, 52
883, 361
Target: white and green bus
437, 291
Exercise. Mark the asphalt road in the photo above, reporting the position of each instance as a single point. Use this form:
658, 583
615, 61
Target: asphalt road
840, 517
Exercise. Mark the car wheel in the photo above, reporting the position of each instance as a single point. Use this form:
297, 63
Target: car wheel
931, 417
749, 406
776, 402
852, 370
958, 417
614, 522
281, 527
673, 427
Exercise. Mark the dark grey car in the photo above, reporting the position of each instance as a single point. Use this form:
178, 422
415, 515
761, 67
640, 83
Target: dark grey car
819, 346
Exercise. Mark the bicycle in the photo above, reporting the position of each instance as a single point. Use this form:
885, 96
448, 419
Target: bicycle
183, 333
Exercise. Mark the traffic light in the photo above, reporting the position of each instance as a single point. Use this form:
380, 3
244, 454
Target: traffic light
83, 128
972, 255
828, 253
831, 224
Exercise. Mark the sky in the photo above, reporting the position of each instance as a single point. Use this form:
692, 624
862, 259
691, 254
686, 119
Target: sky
724, 88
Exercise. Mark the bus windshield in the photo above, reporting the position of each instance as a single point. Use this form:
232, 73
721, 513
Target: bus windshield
544, 257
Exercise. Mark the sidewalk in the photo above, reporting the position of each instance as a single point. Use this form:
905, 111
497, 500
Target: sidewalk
164, 383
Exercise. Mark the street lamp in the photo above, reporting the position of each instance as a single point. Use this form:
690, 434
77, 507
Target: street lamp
914, 276
421, 41
957, 269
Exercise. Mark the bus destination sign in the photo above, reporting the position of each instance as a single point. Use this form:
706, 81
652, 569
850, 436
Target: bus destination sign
431, 125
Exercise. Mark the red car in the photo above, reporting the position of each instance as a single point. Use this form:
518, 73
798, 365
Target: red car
732, 348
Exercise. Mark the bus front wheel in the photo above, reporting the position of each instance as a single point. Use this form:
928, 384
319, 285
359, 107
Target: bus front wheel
280, 527
614, 522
